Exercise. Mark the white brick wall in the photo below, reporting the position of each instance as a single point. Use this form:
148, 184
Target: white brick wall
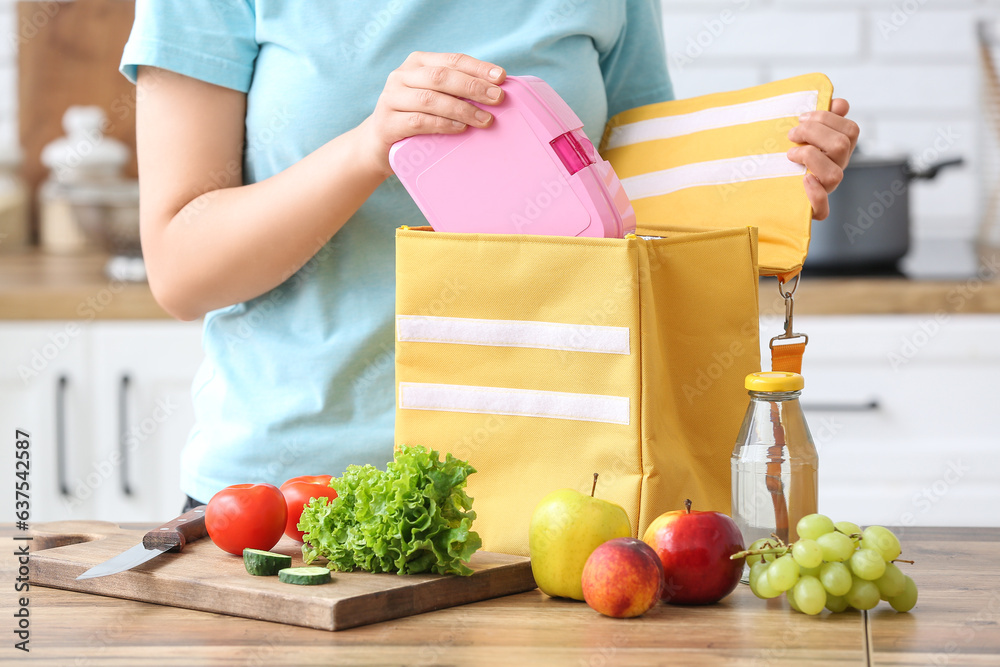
949, 29
909, 68
8, 72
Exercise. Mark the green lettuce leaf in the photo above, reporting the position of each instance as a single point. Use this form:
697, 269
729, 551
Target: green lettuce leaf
411, 518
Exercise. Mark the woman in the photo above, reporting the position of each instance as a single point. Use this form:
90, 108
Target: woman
268, 205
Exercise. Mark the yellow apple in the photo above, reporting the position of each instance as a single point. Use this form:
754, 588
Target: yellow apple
565, 528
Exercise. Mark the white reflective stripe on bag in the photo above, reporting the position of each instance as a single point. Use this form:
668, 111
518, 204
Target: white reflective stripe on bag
668, 127
513, 333
514, 402
716, 172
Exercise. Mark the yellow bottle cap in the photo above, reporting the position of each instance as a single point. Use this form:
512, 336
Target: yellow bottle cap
775, 381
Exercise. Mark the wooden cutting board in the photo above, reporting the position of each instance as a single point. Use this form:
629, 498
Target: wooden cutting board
206, 578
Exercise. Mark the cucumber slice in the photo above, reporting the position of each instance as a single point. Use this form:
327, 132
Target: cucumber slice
306, 576
264, 563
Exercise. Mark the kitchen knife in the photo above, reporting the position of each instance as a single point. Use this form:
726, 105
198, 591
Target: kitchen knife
171, 536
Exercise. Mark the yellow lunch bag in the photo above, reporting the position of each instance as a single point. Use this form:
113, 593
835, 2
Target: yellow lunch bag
543, 359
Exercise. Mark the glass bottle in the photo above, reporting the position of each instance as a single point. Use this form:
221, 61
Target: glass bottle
774, 462
13, 201
988, 238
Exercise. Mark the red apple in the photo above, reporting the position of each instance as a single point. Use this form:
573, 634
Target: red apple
694, 548
622, 578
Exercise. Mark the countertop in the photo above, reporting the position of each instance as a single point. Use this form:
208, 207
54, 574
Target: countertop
39, 286
955, 622
36, 286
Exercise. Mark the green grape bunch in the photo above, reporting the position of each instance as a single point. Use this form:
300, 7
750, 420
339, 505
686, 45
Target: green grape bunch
832, 565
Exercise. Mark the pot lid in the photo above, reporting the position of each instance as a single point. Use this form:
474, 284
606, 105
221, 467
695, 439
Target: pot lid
870, 162
878, 154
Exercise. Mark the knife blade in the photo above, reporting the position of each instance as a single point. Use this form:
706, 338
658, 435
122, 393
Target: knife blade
171, 536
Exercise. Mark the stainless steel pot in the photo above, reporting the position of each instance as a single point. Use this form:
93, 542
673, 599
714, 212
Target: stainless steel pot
869, 224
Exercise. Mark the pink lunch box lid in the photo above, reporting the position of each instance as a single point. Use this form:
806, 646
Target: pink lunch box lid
533, 171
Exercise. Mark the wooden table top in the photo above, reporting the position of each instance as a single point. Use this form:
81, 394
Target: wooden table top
39, 286
956, 622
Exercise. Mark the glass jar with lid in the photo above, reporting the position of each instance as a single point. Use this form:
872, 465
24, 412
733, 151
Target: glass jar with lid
83, 159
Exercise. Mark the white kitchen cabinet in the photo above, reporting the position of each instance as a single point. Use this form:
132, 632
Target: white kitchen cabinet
905, 412
64, 382
142, 391
44, 370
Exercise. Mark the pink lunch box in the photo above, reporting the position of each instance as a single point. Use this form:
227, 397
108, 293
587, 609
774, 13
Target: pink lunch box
533, 171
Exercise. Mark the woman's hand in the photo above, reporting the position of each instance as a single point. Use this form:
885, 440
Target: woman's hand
828, 139
423, 96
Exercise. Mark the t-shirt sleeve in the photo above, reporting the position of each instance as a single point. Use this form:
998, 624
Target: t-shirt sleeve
211, 40
635, 67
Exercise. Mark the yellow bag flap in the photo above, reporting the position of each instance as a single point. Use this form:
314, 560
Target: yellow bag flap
720, 161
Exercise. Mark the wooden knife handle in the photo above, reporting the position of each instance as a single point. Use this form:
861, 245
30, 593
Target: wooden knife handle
188, 527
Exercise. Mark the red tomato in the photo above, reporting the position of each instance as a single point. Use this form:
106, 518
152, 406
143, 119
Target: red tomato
298, 491
246, 516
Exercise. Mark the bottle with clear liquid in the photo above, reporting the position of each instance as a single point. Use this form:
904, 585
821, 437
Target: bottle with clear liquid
774, 462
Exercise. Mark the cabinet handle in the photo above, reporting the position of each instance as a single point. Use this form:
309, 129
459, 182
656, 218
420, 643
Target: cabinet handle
123, 433
61, 436
871, 406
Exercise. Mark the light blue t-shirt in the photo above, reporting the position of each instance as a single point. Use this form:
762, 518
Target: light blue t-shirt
300, 380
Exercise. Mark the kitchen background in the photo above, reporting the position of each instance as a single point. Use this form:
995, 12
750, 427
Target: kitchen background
908, 67
902, 371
